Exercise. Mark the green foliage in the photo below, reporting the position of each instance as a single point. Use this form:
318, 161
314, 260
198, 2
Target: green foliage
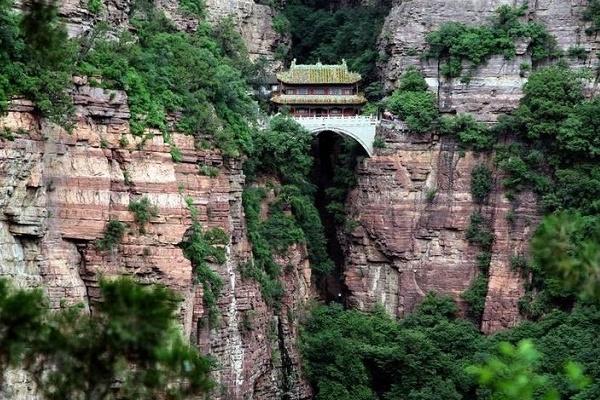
193, 7
143, 211
132, 337
203, 247
282, 150
344, 179
577, 52
353, 355
320, 33
281, 24
511, 375
208, 170
262, 267
165, 71
113, 234
94, 6
456, 42
559, 132
379, 143
21, 316
550, 95
6, 134
37, 59
479, 231
176, 154
592, 15
413, 103
565, 351
481, 183
566, 247
470, 133
475, 296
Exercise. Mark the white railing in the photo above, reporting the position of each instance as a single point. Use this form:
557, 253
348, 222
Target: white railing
370, 118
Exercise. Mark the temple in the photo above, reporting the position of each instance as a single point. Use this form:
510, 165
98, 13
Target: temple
319, 91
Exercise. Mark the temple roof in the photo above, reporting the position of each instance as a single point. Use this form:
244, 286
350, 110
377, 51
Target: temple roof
291, 99
319, 74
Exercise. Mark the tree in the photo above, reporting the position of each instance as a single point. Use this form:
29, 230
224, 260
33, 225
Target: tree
414, 103
512, 374
129, 347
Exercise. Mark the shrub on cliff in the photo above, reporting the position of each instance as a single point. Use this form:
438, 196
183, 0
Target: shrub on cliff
470, 133
164, 71
129, 347
414, 103
143, 211
481, 183
113, 234
37, 59
456, 42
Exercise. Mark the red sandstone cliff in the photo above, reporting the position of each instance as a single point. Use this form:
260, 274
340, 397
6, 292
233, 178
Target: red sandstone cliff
60, 189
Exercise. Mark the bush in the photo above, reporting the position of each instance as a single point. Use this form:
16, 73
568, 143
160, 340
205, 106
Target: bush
469, 132
143, 211
456, 42
577, 52
176, 154
113, 234
475, 296
37, 59
414, 103
479, 232
481, 183
282, 150
165, 71
208, 170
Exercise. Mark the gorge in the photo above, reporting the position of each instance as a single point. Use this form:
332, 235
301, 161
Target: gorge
392, 228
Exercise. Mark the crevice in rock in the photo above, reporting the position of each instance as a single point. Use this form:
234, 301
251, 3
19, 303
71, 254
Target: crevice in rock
287, 366
327, 150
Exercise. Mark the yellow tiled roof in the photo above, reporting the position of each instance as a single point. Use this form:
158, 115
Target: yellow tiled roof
319, 74
318, 99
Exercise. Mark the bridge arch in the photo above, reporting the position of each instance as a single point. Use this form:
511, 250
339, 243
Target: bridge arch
368, 148
360, 128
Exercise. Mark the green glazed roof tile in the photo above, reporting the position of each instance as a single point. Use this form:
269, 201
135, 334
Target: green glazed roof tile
318, 99
319, 74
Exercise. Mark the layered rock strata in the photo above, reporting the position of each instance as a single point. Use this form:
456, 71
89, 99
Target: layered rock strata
496, 87
413, 205
59, 190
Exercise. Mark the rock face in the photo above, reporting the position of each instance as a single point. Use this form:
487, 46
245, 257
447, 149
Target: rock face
413, 200
255, 22
58, 192
413, 204
495, 88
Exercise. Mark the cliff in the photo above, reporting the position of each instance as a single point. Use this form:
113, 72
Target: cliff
60, 189
413, 205
413, 200
495, 88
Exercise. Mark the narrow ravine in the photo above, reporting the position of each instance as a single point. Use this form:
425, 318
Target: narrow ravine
328, 150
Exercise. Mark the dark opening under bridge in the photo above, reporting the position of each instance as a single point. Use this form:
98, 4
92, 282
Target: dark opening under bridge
360, 128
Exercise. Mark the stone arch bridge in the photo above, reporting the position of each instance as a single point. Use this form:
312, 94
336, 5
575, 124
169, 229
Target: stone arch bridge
360, 128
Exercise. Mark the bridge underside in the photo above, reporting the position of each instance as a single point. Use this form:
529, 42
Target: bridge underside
361, 129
